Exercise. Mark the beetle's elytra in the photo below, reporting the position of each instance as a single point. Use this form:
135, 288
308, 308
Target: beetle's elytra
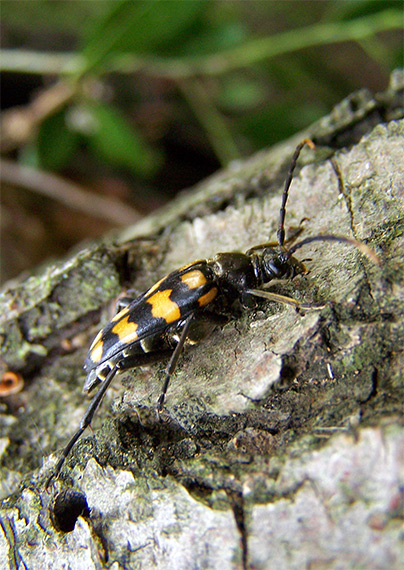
157, 324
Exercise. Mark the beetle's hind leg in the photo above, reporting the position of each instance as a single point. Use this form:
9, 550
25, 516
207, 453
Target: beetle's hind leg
126, 362
85, 421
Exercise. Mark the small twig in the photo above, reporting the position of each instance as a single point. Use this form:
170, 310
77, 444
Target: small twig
67, 193
19, 124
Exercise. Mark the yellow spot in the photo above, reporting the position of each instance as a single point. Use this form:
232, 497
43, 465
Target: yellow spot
208, 297
96, 351
126, 331
95, 341
194, 279
119, 315
163, 307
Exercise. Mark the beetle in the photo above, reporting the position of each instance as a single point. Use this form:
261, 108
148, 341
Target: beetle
157, 324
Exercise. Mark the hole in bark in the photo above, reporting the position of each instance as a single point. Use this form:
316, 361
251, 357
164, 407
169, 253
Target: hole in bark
67, 508
287, 375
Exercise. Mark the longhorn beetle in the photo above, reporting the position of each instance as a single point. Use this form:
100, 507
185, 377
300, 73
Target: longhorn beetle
158, 323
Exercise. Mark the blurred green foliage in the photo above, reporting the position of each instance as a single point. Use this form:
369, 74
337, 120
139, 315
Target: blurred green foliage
236, 75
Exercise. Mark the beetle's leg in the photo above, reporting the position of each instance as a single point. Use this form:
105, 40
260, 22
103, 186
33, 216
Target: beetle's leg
85, 420
268, 244
133, 361
293, 235
173, 361
281, 299
123, 364
123, 302
203, 326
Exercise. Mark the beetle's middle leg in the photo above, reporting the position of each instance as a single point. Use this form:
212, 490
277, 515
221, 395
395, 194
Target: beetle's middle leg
173, 361
193, 331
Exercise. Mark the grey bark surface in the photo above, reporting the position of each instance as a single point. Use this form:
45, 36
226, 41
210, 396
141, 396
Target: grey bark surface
282, 441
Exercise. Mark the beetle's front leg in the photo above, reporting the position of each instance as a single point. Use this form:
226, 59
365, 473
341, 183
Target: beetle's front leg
281, 299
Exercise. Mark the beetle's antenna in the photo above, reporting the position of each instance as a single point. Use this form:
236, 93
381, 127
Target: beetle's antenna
326, 237
282, 212
363, 248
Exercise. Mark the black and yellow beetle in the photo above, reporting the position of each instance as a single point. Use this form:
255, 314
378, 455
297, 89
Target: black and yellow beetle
158, 323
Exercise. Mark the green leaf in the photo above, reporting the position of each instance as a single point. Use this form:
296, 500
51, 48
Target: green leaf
55, 142
139, 27
216, 37
118, 142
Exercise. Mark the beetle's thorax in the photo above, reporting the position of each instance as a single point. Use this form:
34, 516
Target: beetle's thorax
234, 273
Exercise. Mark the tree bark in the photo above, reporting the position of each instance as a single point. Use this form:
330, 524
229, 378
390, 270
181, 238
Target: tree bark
281, 444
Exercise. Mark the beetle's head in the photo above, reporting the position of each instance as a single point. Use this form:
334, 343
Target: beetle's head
277, 263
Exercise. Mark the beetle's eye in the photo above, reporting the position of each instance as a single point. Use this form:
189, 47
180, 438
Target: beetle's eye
273, 269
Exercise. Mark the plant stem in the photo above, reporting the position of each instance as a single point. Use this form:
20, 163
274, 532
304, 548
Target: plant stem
248, 53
